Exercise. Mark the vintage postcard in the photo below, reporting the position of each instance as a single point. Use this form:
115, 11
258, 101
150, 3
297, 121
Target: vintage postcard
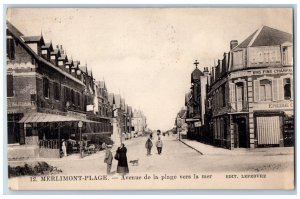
150, 98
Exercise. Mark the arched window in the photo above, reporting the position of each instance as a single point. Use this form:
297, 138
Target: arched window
265, 90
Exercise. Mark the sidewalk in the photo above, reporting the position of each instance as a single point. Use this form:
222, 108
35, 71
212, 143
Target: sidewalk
206, 149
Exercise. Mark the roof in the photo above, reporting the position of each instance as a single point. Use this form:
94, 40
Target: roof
47, 45
83, 68
102, 84
117, 101
111, 98
90, 73
182, 113
63, 57
196, 74
55, 51
266, 36
44, 117
32, 39
17, 34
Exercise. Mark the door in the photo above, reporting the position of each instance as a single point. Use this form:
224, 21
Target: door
242, 133
268, 130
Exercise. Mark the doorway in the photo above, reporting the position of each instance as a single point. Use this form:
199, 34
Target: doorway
241, 133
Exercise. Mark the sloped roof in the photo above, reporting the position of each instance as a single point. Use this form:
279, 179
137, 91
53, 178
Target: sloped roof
83, 68
29, 39
196, 74
17, 34
117, 101
182, 113
111, 98
266, 36
47, 45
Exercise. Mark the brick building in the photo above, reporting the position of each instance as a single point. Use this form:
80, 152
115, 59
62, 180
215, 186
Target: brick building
47, 94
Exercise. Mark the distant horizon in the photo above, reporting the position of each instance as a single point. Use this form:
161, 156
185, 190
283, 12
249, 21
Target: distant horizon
146, 55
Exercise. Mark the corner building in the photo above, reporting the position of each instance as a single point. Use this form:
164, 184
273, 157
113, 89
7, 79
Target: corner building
251, 94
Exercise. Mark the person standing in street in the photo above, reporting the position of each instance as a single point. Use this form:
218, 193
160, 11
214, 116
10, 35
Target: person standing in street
64, 147
122, 160
159, 145
148, 146
108, 158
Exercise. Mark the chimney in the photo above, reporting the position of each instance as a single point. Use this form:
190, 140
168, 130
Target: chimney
233, 44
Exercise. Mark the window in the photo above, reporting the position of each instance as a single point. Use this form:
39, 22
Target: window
10, 85
56, 88
287, 55
287, 88
10, 48
78, 99
46, 88
240, 92
223, 95
265, 90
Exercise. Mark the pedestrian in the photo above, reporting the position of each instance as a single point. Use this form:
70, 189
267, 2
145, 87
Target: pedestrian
103, 146
64, 148
148, 146
108, 158
122, 160
159, 145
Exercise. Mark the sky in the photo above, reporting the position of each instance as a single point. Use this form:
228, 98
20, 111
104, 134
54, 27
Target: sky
147, 54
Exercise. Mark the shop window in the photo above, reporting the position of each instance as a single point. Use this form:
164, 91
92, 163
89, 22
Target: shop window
10, 85
56, 88
10, 48
287, 88
265, 90
46, 87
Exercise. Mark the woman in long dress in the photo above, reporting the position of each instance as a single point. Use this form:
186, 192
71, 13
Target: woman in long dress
122, 160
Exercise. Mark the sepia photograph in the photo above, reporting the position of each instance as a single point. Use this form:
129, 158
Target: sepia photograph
150, 98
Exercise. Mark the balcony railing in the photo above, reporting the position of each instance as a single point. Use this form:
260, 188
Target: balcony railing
49, 144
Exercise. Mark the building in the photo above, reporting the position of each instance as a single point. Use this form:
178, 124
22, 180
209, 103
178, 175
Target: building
139, 122
180, 123
251, 92
195, 103
47, 95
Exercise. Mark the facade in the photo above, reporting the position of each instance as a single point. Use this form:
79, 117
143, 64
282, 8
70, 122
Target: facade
195, 103
139, 122
251, 93
47, 95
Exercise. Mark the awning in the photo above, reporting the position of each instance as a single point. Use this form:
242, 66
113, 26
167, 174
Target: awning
44, 117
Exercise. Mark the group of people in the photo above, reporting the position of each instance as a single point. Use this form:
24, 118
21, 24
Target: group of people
120, 156
158, 144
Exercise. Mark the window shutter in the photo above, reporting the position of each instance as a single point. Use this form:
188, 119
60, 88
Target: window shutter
292, 88
232, 92
275, 89
256, 90
280, 89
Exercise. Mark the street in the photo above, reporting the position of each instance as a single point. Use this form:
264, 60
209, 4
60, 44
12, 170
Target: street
175, 158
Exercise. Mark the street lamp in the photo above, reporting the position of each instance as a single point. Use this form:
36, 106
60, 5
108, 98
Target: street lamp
80, 135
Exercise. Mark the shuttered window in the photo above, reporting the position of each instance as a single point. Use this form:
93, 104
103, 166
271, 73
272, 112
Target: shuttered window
275, 89
256, 90
10, 85
287, 88
265, 91
268, 130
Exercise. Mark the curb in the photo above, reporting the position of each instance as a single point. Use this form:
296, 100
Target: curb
191, 147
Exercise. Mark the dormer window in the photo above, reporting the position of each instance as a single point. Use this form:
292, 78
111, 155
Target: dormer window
60, 63
44, 52
53, 57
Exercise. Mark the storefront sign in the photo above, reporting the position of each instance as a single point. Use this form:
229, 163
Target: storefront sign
273, 71
282, 105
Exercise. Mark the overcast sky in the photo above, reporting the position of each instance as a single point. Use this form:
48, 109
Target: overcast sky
147, 55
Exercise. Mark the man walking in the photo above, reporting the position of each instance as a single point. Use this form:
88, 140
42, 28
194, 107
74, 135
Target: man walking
148, 146
108, 158
159, 145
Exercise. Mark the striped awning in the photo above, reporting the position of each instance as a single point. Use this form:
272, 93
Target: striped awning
45, 117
